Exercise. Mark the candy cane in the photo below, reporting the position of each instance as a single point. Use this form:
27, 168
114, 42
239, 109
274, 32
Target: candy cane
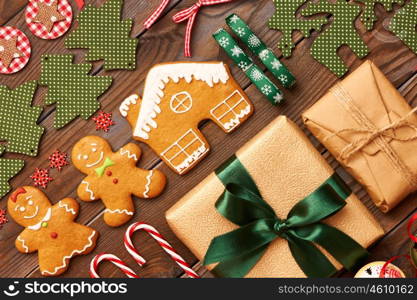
114, 260
161, 241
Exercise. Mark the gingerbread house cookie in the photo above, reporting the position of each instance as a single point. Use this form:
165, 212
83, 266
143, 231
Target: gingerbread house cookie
177, 97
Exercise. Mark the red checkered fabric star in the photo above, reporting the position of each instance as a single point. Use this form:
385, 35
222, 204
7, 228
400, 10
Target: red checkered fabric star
103, 121
22, 43
41, 177
39, 29
58, 160
3, 218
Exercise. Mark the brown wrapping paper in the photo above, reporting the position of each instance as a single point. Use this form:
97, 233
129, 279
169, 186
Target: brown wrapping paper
286, 168
384, 165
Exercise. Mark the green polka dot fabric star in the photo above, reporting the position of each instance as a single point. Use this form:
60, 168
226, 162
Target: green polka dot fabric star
341, 31
285, 20
18, 127
404, 25
107, 37
71, 88
368, 17
8, 169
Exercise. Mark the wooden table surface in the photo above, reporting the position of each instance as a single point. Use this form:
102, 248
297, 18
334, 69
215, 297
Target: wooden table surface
164, 43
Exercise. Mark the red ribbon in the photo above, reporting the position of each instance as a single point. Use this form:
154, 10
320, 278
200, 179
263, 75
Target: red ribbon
412, 237
185, 14
80, 3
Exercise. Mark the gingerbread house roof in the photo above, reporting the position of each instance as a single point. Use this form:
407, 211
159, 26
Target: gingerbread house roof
160, 75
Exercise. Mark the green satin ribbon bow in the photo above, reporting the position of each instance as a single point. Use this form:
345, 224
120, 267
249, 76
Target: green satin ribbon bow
238, 251
107, 163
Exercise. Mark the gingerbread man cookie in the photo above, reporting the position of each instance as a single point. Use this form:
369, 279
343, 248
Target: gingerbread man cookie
113, 177
49, 229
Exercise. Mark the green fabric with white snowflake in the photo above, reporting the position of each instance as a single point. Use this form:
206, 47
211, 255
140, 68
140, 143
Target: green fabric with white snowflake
285, 20
404, 24
341, 32
8, 169
369, 17
18, 127
257, 46
252, 71
106, 36
71, 88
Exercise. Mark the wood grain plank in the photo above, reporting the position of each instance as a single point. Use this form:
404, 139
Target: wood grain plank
164, 43
8, 9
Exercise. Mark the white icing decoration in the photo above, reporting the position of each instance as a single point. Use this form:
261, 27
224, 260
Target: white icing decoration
66, 207
45, 219
231, 123
22, 209
124, 107
128, 154
97, 162
64, 264
191, 158
189, 161
180, 106
32, 216
236, 121
87, 189
118, 211
148, 183
23, 244
159, 76
85, 157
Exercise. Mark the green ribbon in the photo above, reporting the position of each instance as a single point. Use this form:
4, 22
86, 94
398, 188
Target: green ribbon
252, 71
238, 251
107, 163
258, 47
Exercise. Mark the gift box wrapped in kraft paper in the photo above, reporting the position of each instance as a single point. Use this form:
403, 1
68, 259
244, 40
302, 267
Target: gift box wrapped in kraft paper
275, 209
372, 131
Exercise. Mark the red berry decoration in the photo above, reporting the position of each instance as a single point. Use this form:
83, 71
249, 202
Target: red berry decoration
103, 121
3, 218
41, 177
58, 160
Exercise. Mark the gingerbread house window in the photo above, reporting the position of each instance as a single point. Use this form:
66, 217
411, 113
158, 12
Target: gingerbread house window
229, 111
181, 102
185, 151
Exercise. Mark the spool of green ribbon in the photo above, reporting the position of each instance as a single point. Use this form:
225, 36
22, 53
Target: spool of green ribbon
258, 47
252, 71
238, 251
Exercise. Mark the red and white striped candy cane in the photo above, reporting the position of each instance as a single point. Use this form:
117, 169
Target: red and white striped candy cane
161, 241
114, 260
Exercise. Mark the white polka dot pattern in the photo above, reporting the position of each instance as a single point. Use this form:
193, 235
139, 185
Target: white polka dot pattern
18, 127
8, 169
404, 25
341, 32
285, 20
107, 38
71, 88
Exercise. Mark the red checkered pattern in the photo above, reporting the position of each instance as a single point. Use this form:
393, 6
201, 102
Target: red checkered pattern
190, 14
156, 14
22, 44
59, 28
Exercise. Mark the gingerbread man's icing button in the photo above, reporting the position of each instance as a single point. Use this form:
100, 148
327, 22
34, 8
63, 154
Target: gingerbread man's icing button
54, 235
15, 50
48, 19
109, 173
115, 181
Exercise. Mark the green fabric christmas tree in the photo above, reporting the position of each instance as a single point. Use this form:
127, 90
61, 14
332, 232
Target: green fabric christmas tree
404, 25
107, 37
285, 20
342, 31
18, 127
71, 88
8, 169
368, 17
